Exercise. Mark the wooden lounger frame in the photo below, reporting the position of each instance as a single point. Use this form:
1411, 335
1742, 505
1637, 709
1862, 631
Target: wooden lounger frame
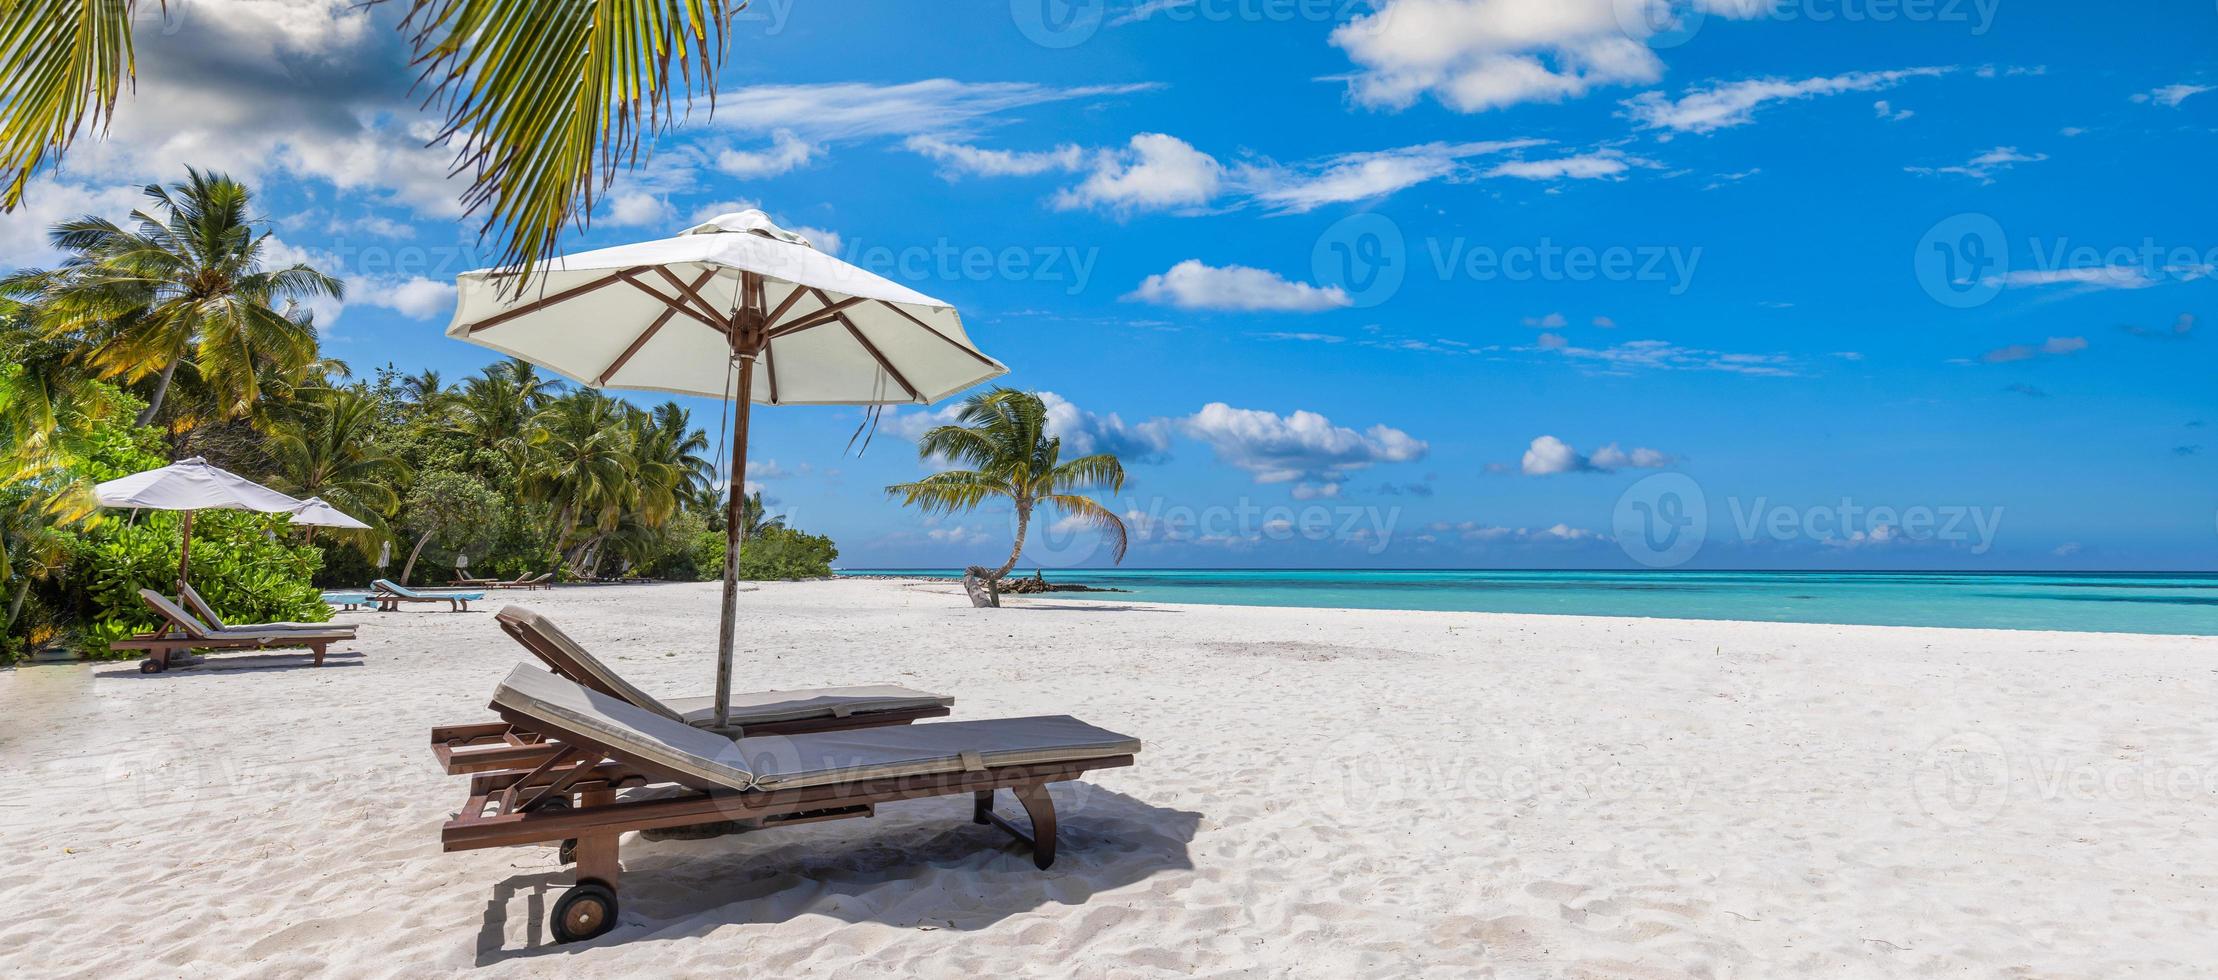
161, 647
570, 798
544, 580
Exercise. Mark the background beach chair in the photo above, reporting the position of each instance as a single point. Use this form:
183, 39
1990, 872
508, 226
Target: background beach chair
607, 746
207, 613
543, 580
389, 594
494, 745
188, 633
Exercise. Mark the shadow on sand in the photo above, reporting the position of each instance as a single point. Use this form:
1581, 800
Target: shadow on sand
226, 663
921, 863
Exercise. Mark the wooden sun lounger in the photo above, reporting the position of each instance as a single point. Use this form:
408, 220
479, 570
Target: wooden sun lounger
187, 633
389, 594
484, 747
620, 768
207, 613
544, 580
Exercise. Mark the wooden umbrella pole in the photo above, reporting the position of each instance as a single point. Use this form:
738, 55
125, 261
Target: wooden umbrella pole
748, 340
185, 557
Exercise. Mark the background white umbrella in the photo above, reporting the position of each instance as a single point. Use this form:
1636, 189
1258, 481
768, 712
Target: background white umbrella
189, 485
734, 308
317, 512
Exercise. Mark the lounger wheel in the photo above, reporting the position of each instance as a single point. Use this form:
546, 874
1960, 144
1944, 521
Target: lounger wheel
585, 911
151, 666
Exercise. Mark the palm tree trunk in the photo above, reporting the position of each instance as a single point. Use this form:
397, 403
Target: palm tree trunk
161, 390
15, 605
410, 566
972, 578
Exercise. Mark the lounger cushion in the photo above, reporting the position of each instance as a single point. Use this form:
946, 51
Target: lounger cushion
769, 762
819, 758
705, 758
763, 707
600, 676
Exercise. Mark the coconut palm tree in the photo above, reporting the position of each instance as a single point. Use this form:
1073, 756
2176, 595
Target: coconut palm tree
333, 453
1002, 434
544, 103
755, 516
187, 284
582, 464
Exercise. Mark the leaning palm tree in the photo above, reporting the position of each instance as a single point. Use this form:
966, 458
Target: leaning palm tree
187, 284
755, 516
544, 103
1002, 434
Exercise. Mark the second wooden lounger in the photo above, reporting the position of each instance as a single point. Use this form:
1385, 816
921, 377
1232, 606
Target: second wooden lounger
622, 768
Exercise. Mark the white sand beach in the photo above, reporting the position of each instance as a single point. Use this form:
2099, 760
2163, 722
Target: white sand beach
1322, 793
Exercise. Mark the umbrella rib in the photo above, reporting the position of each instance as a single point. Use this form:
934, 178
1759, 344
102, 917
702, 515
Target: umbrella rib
646, 335
676, 304
545, 301
928, 328
770, 367
693, 292
791, 298
853, 331
816, 317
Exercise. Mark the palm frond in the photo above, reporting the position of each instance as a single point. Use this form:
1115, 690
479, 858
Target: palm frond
1093, 513
544, 102
62, 63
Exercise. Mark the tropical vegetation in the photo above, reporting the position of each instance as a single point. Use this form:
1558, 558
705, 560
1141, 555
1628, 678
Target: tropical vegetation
1002, 434
173, 335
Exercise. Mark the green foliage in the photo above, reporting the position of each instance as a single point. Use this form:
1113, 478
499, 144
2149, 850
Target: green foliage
783, 553
450, 509
241, 563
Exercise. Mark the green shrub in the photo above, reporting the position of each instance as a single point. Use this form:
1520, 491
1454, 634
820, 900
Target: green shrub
784, 553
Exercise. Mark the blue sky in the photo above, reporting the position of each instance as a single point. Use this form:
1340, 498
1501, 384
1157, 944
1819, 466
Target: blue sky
1474, 283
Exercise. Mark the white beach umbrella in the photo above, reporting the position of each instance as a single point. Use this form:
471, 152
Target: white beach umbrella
734, 308
189, 485
317, 512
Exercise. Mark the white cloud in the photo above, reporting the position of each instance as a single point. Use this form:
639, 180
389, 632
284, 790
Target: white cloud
1882, 109
785, 154
1477, 533
2052, 347
1363, 176
635, 209
1664, 355
1474, 55
855, 110
1731, 104
414, 297
1085, 433
1157, 172
1549, 456
1303, 446
2088, 277
1982, 167
1604, 163
47, 202
1192, 285
2171, 95
958, 159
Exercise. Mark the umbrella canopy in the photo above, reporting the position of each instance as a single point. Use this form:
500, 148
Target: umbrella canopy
316, 512
189, 485
192, 484
670, 315
734, 308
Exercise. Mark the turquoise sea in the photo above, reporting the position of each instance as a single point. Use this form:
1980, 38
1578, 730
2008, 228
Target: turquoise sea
2117, 602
